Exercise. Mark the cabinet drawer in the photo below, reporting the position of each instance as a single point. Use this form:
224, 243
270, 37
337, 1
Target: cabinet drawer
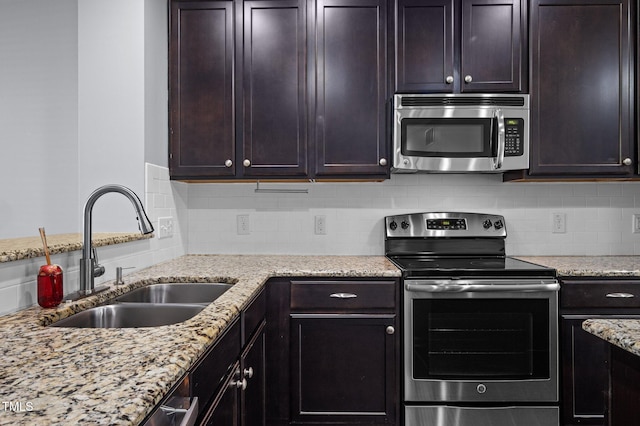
600, 294
343, 295
216, 364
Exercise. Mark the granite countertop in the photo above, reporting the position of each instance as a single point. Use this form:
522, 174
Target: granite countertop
624, 333
589, 266
64, 376
28, 247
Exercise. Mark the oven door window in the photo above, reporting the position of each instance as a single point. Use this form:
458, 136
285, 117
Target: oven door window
447, 137
480, 338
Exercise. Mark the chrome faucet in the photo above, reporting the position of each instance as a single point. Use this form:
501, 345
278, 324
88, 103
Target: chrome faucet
89, 267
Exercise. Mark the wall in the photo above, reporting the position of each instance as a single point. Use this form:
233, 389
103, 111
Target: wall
83, 104
111, 106
598, 215
38, 117
156, 77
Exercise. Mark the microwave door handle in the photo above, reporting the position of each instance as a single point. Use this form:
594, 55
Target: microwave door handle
497, 163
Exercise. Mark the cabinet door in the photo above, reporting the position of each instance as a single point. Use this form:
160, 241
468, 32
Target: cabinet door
351, 52
343, 369
492, 44
201, 127
584, 359
225, 408
253, 409
274, 95
581, 102
425, 40
624, 395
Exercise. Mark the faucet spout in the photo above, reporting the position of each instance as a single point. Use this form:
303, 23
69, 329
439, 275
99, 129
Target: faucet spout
88, 263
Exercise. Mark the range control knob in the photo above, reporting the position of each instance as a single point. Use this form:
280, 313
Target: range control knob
487, 224
404, 224
498, 224
393, 226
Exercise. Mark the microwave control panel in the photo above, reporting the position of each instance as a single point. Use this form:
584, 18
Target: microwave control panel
514, 137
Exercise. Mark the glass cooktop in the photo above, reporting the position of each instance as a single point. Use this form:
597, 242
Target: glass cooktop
468, 266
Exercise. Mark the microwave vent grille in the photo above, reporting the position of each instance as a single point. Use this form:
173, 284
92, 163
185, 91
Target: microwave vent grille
515, 101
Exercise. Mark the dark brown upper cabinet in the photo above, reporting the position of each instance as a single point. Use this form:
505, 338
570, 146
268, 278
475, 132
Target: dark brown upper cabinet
238, 89
581, 88
292, 89
350, 46
201, 89
274, 95
456, 46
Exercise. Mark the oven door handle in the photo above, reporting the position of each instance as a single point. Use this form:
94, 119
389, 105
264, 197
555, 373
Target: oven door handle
484, 287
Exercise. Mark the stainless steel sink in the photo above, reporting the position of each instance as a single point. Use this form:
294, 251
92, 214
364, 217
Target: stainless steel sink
131, 315
176, 293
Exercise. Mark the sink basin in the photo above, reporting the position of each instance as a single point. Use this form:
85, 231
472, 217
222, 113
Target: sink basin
131, 315
176, 293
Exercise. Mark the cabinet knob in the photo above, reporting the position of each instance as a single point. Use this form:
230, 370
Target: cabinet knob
383, 162
449, 79
239, 384
246, 162
390, 329
248, 372
627, 161
228, 163
468, 79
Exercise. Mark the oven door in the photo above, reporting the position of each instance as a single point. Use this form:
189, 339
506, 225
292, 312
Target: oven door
481, 340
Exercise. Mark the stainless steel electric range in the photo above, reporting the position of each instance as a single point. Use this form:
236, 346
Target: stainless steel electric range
480, 328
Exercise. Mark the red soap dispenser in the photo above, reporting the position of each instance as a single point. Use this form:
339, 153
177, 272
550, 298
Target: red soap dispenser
49, 280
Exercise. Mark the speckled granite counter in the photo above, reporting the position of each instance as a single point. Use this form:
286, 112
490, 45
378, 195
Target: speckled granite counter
624, 333
589, 266
28, 247
63, 376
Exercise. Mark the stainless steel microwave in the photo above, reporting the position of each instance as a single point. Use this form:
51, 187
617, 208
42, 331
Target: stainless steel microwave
460, 133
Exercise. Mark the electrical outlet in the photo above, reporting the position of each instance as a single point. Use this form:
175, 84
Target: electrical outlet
165, 227
559, 224
320, 225
636, 224
243, 224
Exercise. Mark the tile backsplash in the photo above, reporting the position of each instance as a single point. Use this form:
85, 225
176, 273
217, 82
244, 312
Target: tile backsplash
599, 216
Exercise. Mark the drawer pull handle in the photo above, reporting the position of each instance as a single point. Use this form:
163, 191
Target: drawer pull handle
620, 295
343, 295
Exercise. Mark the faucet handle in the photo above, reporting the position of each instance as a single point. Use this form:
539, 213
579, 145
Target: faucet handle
98, 270
119, 280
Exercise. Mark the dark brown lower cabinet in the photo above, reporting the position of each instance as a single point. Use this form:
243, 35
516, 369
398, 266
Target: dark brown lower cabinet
241, 399
341, 369
224, 410
238, 361
585, 361
585, 358
332, 352
624, 397
252, 412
